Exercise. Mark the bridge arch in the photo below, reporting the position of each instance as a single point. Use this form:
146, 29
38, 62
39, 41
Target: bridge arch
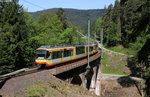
89, 77
76, 80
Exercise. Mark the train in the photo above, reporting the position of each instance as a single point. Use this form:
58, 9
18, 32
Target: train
47, 56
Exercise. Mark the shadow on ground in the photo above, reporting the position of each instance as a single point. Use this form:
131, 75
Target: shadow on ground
3, 82
127, 81
134, 66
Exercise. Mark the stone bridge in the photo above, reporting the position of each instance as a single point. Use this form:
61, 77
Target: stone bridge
81, 75
75, 72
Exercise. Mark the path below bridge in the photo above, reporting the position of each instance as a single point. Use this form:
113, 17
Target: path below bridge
120, 86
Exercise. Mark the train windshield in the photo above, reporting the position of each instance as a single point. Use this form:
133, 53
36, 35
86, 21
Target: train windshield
41, 54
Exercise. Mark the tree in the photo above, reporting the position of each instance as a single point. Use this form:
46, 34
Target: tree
14, 36
49, 28
128, 22
62, 17
109, 24
67, 36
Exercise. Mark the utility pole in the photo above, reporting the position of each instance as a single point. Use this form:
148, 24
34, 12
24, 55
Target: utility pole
88, 59
95, 37
102, 37
88, 67
98, 92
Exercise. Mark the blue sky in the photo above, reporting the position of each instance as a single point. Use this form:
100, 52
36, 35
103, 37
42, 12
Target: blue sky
36, 5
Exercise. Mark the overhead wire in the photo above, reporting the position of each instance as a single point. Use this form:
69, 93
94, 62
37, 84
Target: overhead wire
33, 4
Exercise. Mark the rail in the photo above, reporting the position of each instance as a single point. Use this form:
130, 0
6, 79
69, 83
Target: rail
55, 70
17, 73
73, 65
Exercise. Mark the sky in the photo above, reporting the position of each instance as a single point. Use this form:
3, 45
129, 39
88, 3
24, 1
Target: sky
37, 5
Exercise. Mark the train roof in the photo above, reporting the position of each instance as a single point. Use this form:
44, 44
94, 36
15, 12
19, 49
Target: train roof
60, 46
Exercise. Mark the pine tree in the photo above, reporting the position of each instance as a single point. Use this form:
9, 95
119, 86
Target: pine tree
62, 17
129, 19
13, 33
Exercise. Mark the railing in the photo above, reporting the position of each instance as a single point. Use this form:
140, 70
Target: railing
55, 70
73, 65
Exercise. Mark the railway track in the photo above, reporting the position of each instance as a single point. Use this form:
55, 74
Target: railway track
73, 65
54, 71
20, 72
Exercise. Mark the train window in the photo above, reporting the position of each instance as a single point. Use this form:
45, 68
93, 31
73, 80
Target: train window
40, 54
96, 47
68, 53
91, 48
48, 55
71, 52
80, 50
56, 54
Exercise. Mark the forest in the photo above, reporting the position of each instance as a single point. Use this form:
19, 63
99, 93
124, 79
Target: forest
127, 24
75, 16
21, 34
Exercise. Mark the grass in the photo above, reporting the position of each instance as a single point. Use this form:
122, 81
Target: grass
42, 88
55, 88
111, 70
104, 58
36, 91
59, 87
121, 49
113, 64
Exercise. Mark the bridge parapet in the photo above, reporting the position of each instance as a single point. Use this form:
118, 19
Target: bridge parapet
67, 67
77, 73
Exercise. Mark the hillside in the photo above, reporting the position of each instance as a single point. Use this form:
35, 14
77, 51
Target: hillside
42, 84
122, 65
77, 17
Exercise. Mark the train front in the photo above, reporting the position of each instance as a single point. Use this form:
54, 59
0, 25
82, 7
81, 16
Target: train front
41, 56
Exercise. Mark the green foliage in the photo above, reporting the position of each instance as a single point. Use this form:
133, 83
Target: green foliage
98, 25
67, 36
76, 17
51, 31
62, 17
110, 26
14, 34
36, 91
113, 37
49, 27
122, 22
138, 44
105, 58
123, 50
111, 70
110, 66
127, 23
21, 35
